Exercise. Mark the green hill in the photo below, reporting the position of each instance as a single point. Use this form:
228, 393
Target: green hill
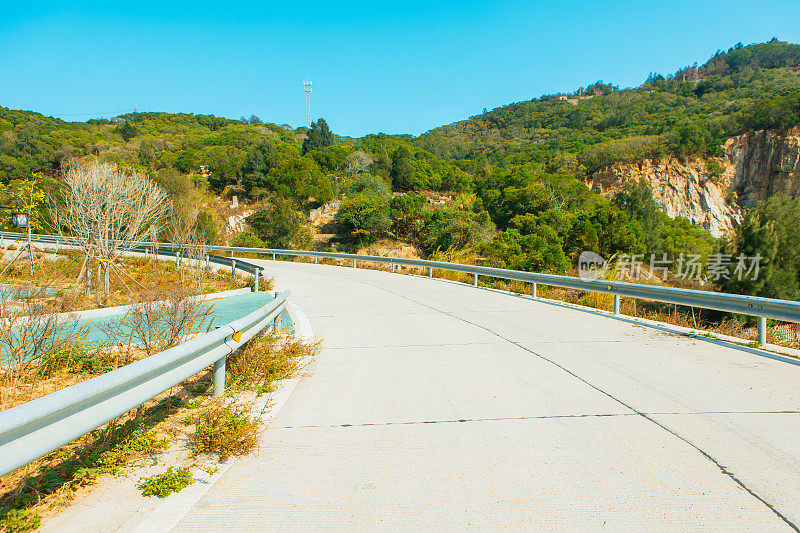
513, 175
689, 112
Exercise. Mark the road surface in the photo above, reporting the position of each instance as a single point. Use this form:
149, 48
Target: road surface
438, 406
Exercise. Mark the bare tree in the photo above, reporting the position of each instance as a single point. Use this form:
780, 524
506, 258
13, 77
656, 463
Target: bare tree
356, 162
182, 228
197, 252
108, 208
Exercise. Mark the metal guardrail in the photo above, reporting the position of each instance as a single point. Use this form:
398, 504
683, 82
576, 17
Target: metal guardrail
36, 428
33, 429
762, 308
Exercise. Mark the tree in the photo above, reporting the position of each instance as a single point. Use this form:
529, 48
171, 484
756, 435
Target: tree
408, 212
365, 218
770, 231
461, 223
300, 179
357, 162
402, 172
365, 184
280, 225
319, 136
108, 209
259, 160
637, 200
127, 130
532, 253
224, 162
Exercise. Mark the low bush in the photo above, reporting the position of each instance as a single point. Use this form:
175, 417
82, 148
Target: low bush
162, 485
264, 360
225, 429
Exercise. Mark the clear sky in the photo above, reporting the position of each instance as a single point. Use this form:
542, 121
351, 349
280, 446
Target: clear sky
396, 67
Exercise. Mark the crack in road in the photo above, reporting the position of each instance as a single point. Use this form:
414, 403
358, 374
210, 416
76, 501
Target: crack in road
532, 417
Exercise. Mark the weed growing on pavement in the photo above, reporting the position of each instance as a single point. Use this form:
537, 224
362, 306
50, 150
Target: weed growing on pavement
162, 485
266, 359
225, 429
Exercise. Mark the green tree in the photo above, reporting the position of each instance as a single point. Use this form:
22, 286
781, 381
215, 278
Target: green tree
280, 225
540, 252
365, 218
319, 136
301, 179
127, 131
260, 159
408, 214
365, 184
455, 227
636, 198
402, 173
247, 239
770, 232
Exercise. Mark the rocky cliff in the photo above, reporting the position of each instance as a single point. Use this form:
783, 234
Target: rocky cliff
756, 165
764, 163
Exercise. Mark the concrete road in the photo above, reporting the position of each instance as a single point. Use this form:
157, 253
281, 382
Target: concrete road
438, 406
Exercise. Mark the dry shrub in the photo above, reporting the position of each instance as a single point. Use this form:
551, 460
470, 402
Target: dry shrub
155, 325
266, 359
196, 253
29, 334
225, 429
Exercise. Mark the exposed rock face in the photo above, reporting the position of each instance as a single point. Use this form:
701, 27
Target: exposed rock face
681, 189
764, 163
757, 165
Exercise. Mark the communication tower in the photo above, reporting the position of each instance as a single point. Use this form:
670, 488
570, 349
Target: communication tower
307, 85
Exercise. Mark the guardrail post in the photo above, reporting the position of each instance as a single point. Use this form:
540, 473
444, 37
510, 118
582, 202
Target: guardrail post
315, 259
475, 280
258, 275
393, 267
616, 304
273, 256
430, 272
218, 379
354, 264
208, 261
533, 290
762, 331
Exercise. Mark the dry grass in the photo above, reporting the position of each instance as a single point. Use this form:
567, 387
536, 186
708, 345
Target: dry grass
224, 428
53, 481
266, 359
132, 280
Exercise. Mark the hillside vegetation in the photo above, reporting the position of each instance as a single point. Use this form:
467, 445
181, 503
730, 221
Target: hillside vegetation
507, 180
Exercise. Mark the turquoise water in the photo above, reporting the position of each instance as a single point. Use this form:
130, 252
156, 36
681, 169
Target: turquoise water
223, 311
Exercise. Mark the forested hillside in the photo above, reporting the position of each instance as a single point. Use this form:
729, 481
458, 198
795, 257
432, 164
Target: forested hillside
505, 185
689, 112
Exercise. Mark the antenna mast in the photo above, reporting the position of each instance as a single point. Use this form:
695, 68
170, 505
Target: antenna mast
307, 85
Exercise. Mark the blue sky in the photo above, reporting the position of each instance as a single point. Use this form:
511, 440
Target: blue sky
396, 67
